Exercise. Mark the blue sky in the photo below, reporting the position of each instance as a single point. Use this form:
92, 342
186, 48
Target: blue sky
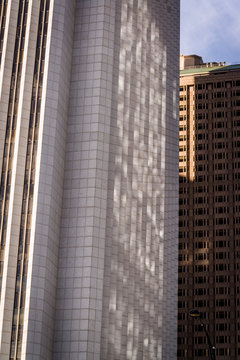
211, 29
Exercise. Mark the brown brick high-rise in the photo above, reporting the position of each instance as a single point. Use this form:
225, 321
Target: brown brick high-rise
209, 208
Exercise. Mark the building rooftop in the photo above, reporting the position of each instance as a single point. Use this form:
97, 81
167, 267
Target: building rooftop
207, 69
193, 64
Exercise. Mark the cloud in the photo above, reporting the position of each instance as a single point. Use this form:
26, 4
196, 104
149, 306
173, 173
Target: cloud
211, 28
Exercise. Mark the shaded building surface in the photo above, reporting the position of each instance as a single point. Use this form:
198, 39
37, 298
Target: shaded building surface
89, 179
209, 210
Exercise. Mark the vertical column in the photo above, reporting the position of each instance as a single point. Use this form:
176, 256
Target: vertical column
82, 245
38, 328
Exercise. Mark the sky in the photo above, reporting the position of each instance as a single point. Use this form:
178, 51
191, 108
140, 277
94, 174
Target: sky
211, 29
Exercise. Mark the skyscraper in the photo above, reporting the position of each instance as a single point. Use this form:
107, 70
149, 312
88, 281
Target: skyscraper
89, 182
209, 211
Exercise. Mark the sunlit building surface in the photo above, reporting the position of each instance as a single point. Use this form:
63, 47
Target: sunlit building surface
89, 180
209, 208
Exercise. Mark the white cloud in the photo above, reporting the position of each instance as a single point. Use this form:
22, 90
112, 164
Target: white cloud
211, 28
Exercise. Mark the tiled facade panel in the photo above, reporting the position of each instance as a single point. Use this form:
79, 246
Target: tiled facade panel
120, 104
142, 186
47, 203
95, 276
170, 212
83, 230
